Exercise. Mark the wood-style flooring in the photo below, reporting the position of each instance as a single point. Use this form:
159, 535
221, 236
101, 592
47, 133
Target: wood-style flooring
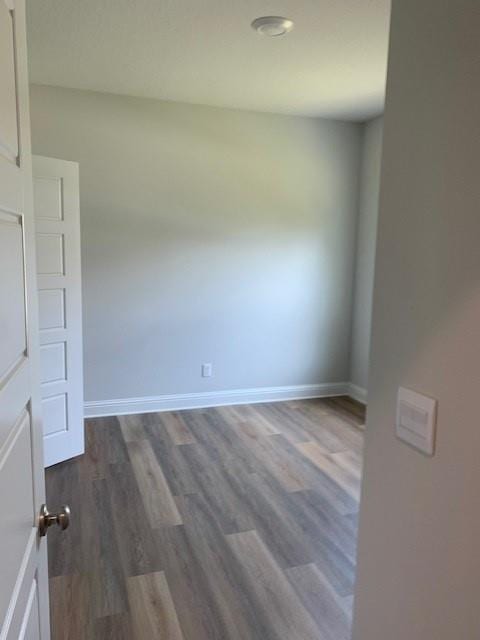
232, 523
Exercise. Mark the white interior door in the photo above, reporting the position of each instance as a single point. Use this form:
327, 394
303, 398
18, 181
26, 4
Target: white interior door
57, 224
23, 569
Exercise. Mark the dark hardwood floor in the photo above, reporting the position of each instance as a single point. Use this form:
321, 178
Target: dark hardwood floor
233, 523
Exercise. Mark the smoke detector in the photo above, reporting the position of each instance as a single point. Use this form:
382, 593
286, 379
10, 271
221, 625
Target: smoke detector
272, 26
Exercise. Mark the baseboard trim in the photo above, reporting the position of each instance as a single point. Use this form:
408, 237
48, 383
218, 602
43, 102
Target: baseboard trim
176, 402
357, 393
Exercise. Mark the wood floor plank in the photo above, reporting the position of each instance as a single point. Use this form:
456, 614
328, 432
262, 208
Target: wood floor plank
153, 613
292, 426
347, 606
346, 434
321, 601
132, 427
133, 532
69, 604
310, 423
288, 617
175, 463
176, 428
270, 454
159, 504
117, 627
249, 413
189, 585
107, 581
320, 518
66, 480
350, 461
297, 536
234, 609
329, 465
171, 458
348, 408
222, 442
216, 483
105, 443
235, 523
316, 479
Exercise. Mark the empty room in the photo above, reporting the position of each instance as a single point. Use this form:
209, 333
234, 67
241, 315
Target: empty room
238, 319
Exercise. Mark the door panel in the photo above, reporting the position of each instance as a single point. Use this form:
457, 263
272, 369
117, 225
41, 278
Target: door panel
52, 363
13, 400
55, 414
48, 198
30, 629
8, 98
18, 504
50, 254
52, 311
12, 315
23, 583
57, 215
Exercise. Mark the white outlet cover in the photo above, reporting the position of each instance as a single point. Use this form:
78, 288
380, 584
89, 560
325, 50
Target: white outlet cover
416, 420
207, 370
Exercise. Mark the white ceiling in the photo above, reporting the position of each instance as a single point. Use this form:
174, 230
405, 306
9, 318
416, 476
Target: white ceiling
333, 63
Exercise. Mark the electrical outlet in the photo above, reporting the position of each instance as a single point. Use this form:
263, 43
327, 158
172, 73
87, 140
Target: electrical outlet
206, 370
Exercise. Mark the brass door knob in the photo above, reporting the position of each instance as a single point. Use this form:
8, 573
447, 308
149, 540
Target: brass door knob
46, 519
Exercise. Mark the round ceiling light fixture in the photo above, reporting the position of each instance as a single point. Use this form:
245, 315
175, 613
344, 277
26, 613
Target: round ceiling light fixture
272, 26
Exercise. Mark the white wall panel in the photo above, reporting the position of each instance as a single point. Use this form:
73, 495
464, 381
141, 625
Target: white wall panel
230, 239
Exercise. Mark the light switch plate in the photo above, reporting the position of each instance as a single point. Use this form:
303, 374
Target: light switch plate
416, 420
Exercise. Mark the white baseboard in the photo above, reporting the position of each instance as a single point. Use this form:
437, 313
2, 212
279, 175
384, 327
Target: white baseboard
176, 402
357, 393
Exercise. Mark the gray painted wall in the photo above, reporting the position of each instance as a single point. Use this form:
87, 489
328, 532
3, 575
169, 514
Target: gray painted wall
365, 259
208, 235
419, 562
